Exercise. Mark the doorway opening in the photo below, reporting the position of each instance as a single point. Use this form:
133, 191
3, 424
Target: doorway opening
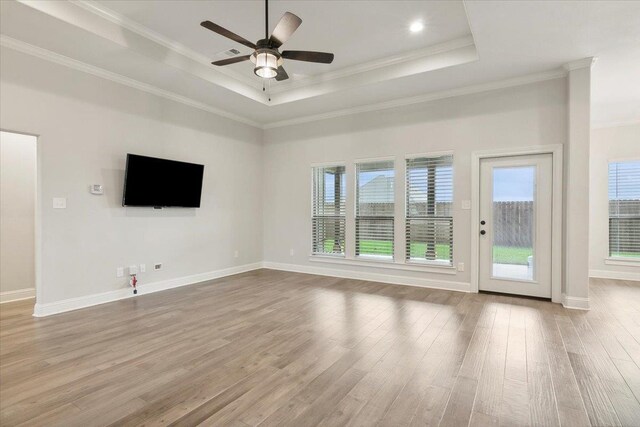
18, 186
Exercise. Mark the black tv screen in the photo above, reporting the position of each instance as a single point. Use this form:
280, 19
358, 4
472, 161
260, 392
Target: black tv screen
150, 181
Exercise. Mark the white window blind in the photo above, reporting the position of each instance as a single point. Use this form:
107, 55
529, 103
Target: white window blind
429, 204
328, 216
375, 208
624, 209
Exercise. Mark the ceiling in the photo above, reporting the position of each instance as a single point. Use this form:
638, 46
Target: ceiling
159, 46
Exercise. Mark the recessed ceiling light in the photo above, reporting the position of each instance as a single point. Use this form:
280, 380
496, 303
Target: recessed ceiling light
416, 26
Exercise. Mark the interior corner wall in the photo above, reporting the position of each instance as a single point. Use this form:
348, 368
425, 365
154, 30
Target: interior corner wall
86, 126
608, 144
524, 116
17, 212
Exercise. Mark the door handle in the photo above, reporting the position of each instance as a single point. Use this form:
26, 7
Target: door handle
483, 232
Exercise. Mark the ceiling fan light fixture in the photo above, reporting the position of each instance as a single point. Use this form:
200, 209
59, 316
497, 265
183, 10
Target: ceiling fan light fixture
266, 65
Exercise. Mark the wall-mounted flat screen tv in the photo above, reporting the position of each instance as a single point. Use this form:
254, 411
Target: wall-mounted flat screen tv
161, 183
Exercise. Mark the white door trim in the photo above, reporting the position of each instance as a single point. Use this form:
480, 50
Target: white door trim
556, 210
38, 213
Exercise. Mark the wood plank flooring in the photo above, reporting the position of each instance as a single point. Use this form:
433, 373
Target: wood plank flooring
272, 348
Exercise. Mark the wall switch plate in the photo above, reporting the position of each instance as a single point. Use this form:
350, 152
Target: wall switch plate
120, 272
143, 268
291, 252
157, 266
133, 269
466, 204
236, 254
461, 266
59, 203
96, 189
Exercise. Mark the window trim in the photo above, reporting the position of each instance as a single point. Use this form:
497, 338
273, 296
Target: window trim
433, 154
312, 168
370, 257
609, 259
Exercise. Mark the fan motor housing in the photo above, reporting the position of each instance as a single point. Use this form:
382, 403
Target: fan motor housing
273, 52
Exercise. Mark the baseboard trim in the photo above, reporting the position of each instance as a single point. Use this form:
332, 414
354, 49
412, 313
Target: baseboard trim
372, 277
576, 303
17, 295
618, 275
48, 309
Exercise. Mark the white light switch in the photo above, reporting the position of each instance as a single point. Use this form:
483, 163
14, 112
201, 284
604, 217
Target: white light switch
119, 271
143, 268
461, 266
466, 204
59, 203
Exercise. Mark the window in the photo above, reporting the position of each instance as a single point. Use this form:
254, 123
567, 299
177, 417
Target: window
328, 216
429, 203
624, 209
375, 209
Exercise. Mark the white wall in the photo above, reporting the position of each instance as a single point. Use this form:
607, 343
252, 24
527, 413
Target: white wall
607, 144
523, 116
17, 211
86, 125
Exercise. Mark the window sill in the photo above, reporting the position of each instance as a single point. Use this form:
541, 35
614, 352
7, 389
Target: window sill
382, 263
622, 261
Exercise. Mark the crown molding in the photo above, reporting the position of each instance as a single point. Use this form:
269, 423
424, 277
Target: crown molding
377, 64
148, 33
127, 35
467, 90
580, 63
48, 55
104, 22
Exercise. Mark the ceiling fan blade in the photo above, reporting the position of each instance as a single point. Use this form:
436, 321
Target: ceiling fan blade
282, 74
305, 55
231, 60
287, 25
228, 34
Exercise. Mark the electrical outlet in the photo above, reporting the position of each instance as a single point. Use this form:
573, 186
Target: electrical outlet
120, 272
291, 252
143, 268
236, 254
157, 266
461, 266
133, 269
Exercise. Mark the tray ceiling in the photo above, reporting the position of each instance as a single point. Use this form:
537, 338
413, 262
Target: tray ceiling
379, 62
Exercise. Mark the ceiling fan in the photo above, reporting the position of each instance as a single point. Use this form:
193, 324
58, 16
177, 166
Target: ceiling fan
266, 57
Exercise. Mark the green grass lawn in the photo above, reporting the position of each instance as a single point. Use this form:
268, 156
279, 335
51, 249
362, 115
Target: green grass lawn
625, 254
501, 254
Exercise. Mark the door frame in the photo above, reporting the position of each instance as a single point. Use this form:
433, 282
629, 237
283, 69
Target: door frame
556, 151
38, 214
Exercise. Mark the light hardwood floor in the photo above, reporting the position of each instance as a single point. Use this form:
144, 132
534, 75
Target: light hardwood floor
274, 348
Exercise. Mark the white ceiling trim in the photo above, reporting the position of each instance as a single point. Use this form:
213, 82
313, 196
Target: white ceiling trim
441, 56
48, 55
580, 63
450, 53
127, 23
88, 19
377, 64
467, 90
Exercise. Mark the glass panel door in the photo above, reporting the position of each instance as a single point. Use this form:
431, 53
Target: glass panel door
515, 225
